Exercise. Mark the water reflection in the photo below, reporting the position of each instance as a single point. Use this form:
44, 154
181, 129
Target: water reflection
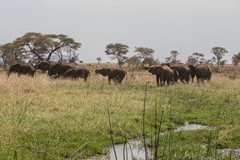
135, 149
193, 127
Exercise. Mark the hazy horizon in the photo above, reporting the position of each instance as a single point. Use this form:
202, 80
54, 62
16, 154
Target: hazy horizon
187, 26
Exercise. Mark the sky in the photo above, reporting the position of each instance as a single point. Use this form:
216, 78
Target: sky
186, 26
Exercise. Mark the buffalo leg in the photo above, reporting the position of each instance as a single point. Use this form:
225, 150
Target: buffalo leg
109, 80
157, 80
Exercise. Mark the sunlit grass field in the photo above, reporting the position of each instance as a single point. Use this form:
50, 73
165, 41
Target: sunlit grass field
42, 118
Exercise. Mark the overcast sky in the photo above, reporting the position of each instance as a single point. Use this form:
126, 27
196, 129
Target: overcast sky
187, 26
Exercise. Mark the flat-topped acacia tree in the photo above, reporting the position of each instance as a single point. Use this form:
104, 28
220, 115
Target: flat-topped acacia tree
146, 56
37, 46
118, 51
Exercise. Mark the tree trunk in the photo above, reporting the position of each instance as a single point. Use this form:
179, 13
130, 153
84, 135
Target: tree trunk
218, 62
119, 63
50, 54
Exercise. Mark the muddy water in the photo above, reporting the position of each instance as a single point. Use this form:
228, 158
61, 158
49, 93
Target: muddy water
234, 153
135, 149
193, 127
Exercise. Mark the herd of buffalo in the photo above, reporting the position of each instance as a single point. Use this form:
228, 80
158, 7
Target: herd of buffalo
168, 72
172, 72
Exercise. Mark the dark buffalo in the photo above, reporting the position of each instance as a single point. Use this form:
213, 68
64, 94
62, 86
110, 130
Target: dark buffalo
117, 75
176, 75
163, 74
58, 69
182, 69
43, 65
76, 73
201, 71
22, 69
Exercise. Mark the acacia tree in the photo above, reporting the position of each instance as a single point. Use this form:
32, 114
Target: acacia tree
72, 57
117, 51
99, 59
144, 52
146, 55
134, 61
36, 47
10, 54
59, 44
236, 59
219, 52
173, 57
196, 58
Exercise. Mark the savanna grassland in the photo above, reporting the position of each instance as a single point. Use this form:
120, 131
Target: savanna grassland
43, 118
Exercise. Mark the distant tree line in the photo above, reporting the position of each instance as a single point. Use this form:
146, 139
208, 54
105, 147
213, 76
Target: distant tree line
145, 56
33, 47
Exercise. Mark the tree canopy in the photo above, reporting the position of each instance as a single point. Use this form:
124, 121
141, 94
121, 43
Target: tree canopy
219, 53
236, 59
134, 61
99, 59
37, 46
118, 51
146, 56
196, 58
173, 57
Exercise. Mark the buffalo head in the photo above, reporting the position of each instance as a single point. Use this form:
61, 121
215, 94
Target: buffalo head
104, 71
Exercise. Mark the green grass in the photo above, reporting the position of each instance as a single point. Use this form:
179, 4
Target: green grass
45, 119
